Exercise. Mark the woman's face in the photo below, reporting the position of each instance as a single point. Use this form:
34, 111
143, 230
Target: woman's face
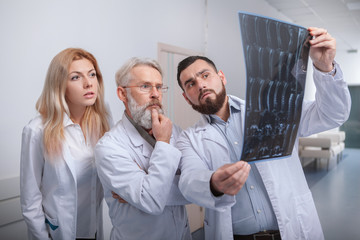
81, 86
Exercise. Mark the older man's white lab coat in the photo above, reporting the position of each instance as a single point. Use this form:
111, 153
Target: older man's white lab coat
146, 178
205, 150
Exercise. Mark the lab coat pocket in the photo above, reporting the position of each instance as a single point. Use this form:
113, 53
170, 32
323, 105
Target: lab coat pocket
51, 224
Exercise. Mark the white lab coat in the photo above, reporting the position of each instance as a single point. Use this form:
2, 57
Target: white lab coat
204, 150
145, 177
49, 188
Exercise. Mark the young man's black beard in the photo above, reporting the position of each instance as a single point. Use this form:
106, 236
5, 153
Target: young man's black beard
211, 106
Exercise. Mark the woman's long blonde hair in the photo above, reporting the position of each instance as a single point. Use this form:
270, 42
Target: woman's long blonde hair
52, 104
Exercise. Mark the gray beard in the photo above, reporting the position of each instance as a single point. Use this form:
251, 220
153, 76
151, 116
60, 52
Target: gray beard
140, 114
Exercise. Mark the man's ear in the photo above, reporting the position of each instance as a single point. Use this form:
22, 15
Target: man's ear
122, 95
121, 92
222, 77
187, 100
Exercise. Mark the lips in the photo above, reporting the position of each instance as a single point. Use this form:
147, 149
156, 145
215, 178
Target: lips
154, 104
89, 94
203, 94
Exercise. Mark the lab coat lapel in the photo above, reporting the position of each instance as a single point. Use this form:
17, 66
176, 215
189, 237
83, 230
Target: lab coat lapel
210, 134
69, 161
139, 144
66, 155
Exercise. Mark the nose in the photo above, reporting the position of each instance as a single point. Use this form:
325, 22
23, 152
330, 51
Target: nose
201, 84
154, 93
87, 82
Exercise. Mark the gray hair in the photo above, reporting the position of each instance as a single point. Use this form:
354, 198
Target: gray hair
123, 75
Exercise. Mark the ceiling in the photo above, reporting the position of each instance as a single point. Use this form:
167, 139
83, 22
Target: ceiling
340, 17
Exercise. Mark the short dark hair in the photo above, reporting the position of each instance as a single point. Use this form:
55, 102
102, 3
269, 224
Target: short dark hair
190, 60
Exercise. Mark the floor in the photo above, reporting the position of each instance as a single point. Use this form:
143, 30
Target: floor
336, 194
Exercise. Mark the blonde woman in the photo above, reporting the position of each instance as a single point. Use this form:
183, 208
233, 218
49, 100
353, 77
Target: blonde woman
61, 194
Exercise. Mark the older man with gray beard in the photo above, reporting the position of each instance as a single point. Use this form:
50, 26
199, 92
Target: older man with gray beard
137, 162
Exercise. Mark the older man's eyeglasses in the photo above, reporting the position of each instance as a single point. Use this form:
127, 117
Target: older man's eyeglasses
148, 88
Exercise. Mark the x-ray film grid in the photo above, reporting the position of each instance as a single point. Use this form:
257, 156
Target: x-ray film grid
276, 56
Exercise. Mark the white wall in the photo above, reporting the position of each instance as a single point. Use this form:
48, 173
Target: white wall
223, 45
224, 39
350, 64
33, 32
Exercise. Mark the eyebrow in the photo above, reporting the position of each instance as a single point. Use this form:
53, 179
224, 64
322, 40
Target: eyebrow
148, 82
197, 74
77, 72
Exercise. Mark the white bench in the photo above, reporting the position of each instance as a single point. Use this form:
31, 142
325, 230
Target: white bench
12, 225
323, 145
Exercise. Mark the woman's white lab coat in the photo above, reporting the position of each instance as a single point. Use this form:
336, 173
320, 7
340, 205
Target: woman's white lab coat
49, 188
204, 150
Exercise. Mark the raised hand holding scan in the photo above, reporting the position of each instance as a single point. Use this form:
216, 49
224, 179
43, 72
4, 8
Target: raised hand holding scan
323, 49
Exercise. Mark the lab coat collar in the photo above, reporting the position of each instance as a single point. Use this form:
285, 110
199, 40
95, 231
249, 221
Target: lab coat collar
234, 102
135, 138
234, 105
143, 133
204, 123
67, 120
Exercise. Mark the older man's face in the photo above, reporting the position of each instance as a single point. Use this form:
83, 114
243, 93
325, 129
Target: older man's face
139, 102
